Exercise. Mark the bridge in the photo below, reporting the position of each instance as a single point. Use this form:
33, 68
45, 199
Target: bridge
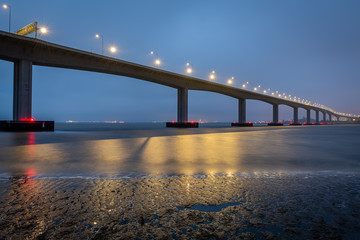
25, 52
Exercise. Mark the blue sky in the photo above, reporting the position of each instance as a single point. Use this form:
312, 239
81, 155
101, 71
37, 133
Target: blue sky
310, 49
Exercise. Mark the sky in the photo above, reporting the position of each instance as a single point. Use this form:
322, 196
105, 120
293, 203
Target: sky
309, 49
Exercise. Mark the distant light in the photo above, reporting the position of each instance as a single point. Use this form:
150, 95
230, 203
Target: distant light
243, 85
187, 64
157, 62
113, 49
229, 81
279, 95
189, 70
264, 91
212, 76
152, 52
97, 35
43, 30
213, 72
5, 6
255, 89
273, 94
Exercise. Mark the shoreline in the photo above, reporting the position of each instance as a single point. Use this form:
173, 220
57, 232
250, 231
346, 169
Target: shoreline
185, 207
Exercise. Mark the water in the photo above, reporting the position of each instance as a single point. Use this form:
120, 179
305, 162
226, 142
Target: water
143, 181
135, 150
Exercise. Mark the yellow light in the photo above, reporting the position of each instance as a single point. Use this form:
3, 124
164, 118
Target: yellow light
43, 30
272, 94
97, 35
187, 64
213, 72
243, 85
264, 91
279, 95
5, 6
229, 81
255, 89
157, 62
212, 76
113, 49
189, 70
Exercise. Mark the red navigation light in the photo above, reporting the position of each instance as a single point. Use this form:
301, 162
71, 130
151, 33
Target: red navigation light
312, 123
321, 123
233, 122
192, 122
249, 122
173, 122
27, 119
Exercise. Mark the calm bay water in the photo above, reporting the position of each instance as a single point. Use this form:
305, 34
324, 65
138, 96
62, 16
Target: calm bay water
143, 181
133, 150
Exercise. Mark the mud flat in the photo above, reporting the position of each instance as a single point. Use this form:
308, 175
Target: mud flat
256, 206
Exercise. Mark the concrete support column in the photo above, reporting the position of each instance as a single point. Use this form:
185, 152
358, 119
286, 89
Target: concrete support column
242, 110
182, 108
324, 116
317, 116
275, 113
330, 117
296, 115
22, 101
308, 120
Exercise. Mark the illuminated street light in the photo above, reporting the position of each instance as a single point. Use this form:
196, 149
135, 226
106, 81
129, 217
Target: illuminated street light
230, 81
113, 49
189, 70
102, 42
157, 61
212, 75
7, 6
41, 30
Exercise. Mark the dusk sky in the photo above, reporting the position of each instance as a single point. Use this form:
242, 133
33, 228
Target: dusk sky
307, 48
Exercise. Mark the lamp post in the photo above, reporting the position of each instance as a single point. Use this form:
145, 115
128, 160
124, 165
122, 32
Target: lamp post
102, 42
42, 30
7, 6
112, 49
212, 75
157, 61
189, 69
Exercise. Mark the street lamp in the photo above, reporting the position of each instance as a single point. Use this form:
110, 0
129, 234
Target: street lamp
230, 81
42, 30
212, 75
189, 70
157, 61
112, 49
102, 42
7, 6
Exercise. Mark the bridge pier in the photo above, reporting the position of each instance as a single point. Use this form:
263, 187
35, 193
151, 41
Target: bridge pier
308, 119
182, 111
22, 99
296, 117
324, 116
317, 117
241, 115
182, 105
22, 102
275, 121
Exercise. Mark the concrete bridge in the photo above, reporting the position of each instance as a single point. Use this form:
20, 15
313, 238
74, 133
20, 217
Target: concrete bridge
26, 52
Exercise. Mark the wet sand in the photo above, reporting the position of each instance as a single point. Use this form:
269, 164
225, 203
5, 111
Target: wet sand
256, 206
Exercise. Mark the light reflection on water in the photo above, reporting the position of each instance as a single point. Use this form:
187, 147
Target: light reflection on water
294, 149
